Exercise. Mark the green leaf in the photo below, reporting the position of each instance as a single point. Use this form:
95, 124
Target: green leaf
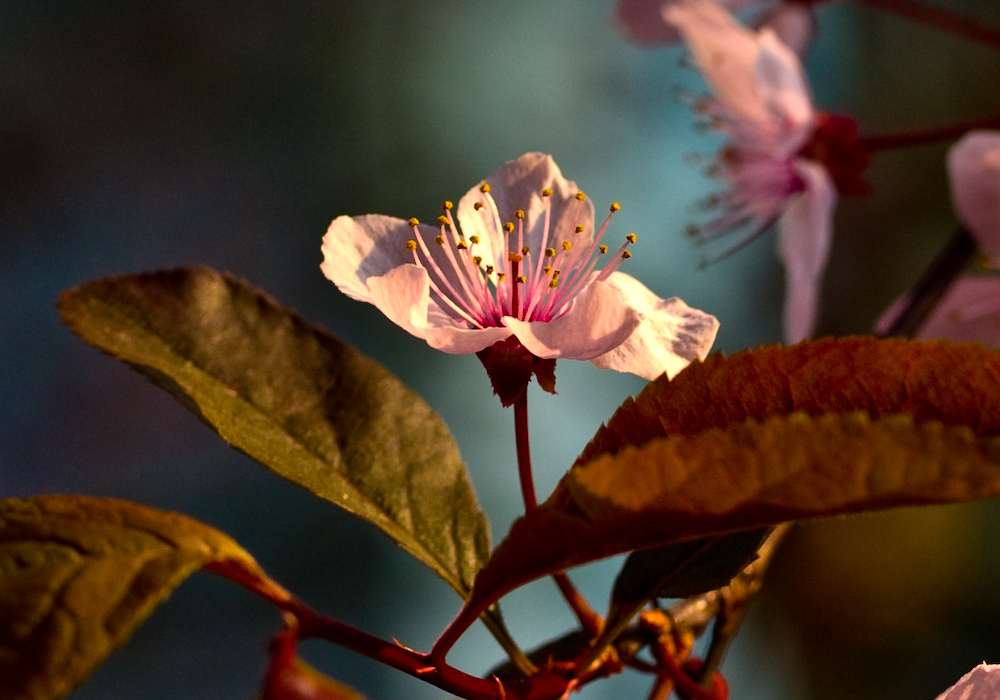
78, 575
749, 475
297, 400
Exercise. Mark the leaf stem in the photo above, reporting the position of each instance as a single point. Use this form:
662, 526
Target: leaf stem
939, 18
933, 283
591, 622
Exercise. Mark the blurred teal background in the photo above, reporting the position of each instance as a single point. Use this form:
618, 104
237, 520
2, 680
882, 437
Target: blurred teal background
139, 135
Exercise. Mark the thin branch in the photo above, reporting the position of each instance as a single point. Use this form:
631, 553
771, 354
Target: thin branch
933, 284
939, 18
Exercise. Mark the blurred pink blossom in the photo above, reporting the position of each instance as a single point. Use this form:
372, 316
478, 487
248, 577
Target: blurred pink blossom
784, 162
969, 311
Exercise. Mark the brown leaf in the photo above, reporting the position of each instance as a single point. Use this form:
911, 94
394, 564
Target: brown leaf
764, 437
928, 380
78, 575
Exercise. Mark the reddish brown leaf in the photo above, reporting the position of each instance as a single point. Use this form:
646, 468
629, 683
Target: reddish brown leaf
722, 448
940, 380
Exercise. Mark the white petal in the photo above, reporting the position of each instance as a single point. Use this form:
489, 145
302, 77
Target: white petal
598, 320
355, 249
518, 185
642, 22
981, 683
969, 312
784, 90
794, 23
403, 295
670, 336
804, 235
725, 52
974, 167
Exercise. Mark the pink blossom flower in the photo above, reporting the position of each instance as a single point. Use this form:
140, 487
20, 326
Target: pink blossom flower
643, 22
969, 311
524, 264
981, 683
784, 162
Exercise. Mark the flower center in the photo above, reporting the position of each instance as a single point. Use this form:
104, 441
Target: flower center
529, 284
836, 146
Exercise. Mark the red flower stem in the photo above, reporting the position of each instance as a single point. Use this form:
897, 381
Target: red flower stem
920, 137
591, 622
524, 452
939, 18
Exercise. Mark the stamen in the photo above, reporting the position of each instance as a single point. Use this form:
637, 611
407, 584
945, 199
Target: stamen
439, 239
525, 250
580, 196
477, 206
547, 192
411, 245
462, 245
474, 240
413, 222
478, 259
579, 228
484, 188
447, 205
519, 214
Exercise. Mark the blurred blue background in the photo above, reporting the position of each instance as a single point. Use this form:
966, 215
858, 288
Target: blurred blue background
139, 135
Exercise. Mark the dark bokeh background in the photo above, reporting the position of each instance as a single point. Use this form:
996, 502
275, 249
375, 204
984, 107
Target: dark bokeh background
140, 135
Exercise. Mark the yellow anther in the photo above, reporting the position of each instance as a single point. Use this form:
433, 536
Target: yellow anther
630, 238
547, 192
519, 214
567, 245
525, 250
439, 239
579, 228
626, 255
514, 257
484, 188
603, 249
489, 269
462, 245
508, 227
580, 196
522, 279
443, 220
615, 206
474, 240
477, 206
547, 269
555, 275
550, 252
500, 276
412, 223
447, 205
477, 259
411, 245
554, 283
